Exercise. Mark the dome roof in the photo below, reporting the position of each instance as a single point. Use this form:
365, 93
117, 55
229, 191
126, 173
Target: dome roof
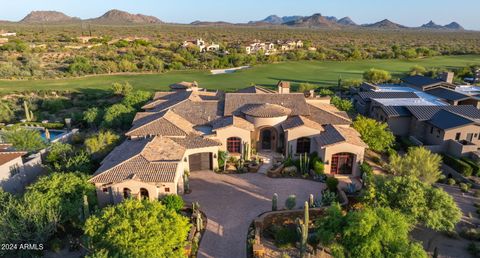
266, 110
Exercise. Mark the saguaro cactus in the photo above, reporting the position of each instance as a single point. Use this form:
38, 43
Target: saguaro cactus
186, 181
86, 209
304, 163
311, 201
28, 112
198, 216
275, 202
302, 229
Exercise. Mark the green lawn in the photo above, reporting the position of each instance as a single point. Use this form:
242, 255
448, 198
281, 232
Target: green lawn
320, 72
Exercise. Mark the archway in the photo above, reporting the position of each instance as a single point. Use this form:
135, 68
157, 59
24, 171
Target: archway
144, 194
267, 139
127, 193
342, 163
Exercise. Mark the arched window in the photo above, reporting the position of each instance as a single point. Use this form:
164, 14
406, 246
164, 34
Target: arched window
144, 193
234, 145
303, 145
127, 193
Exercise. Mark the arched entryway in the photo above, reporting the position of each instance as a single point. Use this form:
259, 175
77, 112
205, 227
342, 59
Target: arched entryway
127, 193
267, 139
144, 194
342, 163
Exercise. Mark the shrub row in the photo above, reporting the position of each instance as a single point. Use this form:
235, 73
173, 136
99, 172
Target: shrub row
475, 167
457, 164
46, 125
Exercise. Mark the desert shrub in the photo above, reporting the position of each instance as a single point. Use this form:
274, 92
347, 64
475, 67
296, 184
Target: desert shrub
291, 202
328, 198
451, 181
473, 165
285, 236
476, 193
332, 184
319, 168
464, 187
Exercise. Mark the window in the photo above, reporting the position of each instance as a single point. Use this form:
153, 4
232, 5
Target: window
14, 169
144, 193
127, 193
167, 189
104, 189
303, 145
431, 130
234, 145
457, 136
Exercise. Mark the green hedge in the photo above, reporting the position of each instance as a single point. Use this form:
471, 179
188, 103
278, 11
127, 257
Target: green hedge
46, 125
457, 164
475, 167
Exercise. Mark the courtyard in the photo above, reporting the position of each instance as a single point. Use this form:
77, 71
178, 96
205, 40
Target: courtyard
231, 202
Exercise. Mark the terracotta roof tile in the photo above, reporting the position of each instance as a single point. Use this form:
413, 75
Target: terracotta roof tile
265, 110
297, 121
165, 123
325, 114
8, 156
294, 101
337, 134
234, 121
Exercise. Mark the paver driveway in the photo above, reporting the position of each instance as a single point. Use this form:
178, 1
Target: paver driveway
231, 202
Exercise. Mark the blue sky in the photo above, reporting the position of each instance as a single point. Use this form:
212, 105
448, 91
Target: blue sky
407, 12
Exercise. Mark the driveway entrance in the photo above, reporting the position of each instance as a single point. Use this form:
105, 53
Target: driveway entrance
231, 202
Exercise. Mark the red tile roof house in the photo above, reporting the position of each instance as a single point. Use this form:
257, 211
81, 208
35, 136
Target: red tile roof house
11, 162
184, 130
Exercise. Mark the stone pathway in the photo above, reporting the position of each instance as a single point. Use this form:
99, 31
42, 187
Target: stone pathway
231, 202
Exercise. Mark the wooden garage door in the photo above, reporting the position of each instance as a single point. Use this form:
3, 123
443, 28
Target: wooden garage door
200, 161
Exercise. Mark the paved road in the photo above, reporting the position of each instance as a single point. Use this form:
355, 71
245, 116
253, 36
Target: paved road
231, 202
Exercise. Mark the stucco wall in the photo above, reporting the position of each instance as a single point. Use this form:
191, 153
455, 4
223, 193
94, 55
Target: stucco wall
262, 122
327, 152
292, 135
224, 133
5, 168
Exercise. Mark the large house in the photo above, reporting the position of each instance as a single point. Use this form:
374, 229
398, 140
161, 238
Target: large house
201, 45
11, 161
430, 112
183, 131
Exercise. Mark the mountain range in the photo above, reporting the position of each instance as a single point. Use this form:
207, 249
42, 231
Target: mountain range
314, 21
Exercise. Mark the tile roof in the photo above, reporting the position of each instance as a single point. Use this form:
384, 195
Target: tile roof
387, 95
265, 110
195, 142
423, 113
148, 160
165, 123
325, 114
255, 89
235, 121
447, 94
183, 85
7, 156
4, 146
421, 81
337, 134
199, 113
297, 121
446, 120
166, 100
395, 111
294, 101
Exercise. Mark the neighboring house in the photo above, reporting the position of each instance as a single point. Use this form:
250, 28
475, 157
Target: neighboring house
7, 34
184, 131
427, 111
290, 45
201, 45
267, 47
185, 86
11, 162
85, 39
3, 41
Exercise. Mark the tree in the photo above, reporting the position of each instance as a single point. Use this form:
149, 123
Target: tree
24, 139
137, 98
375, 134
118, 116
173, 202
58, 153
80, 65
6, 113
92, 116
121, 89
418, 162
131, 229
303, 87
101, 143
342, 104
417, 70
377, 76
371, 232
421, 202
64, 192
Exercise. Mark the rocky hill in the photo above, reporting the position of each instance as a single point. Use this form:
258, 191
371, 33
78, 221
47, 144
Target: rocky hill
346, 21
316, 20
385, 24
275, 19
121, 17
454, 26
433, 25
48, 17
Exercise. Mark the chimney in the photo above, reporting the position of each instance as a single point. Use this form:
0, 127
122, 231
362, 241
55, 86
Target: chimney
283, 87
311, 93
447, 77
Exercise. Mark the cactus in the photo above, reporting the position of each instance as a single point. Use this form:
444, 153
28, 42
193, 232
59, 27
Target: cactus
311, 201
186, 181
86, 209
302, 229
198, 216
290, 151
28, 112
246, 151
304, 163
275, 202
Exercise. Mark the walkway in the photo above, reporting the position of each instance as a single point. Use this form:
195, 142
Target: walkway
231, 202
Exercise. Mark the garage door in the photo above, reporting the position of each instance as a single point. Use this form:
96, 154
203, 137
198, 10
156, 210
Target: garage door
200, 161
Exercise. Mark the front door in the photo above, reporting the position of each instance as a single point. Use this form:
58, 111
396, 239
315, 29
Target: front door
200, 161
266, 139
342, 163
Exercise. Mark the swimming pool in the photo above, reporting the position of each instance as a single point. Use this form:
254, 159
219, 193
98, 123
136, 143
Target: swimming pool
54, 134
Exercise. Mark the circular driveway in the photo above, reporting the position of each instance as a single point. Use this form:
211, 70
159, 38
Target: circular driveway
231, 202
